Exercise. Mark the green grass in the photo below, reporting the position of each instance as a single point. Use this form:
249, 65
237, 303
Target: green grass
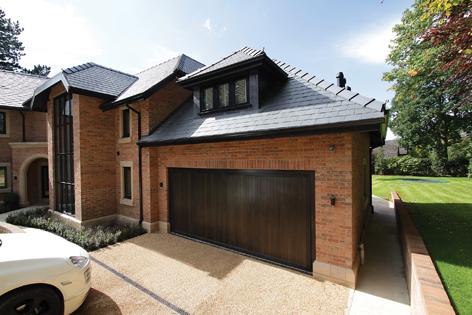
442, 213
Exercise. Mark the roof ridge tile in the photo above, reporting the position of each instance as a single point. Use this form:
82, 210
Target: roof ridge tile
25, 74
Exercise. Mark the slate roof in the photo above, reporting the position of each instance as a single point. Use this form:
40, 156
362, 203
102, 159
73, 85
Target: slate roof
301, 102
99, 79
241, 55
16, 88
391, 149
147, 79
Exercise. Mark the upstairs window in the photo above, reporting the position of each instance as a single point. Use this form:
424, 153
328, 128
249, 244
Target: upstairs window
228, 94
3, 123
125, 125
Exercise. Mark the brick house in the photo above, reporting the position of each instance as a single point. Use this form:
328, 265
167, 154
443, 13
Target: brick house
23, 140
247, 153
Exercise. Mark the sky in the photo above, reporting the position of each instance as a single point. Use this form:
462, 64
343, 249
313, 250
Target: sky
318, 37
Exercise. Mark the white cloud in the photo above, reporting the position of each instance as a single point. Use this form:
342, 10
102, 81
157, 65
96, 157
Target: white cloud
208, 25
55, 35
371, 44
211, 28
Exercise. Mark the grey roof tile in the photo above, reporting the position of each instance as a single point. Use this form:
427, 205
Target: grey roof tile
335, 89
361, 100
376, 105
99, 79
294, 103
154, 75
347, 94
324, 84
17, 88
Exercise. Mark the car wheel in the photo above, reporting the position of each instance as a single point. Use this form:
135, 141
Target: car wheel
32, 300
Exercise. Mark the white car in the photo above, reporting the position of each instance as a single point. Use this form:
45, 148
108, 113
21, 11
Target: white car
42, 274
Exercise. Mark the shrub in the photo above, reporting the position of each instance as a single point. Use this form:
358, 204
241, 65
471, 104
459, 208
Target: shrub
89, 238
11, 197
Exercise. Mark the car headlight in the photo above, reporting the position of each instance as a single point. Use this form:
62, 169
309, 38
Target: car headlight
78, 261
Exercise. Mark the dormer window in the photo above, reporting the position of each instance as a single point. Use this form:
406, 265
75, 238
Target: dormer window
228, 94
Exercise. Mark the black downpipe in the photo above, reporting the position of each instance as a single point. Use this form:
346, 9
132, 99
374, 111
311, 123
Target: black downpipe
22, 115
371, 173
140, 167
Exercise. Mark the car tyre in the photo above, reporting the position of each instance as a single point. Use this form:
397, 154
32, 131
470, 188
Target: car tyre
31, 300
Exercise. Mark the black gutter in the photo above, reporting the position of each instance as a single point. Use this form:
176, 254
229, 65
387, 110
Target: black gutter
24, 137
141, 217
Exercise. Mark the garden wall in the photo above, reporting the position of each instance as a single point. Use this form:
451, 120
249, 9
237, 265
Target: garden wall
427, 294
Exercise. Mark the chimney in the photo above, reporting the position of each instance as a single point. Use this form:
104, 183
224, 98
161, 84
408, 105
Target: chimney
341, 80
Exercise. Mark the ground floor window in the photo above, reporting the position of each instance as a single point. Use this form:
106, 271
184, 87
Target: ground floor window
127, 183
5, 177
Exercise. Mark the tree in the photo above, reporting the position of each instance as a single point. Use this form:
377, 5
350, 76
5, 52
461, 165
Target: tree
451, 33
424, 112
11, 49
38, 70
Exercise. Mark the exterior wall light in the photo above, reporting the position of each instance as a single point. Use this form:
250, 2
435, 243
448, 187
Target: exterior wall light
331, 148
333, 200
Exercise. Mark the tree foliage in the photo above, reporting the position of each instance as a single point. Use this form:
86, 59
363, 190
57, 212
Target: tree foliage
11, 49
452, 33
424, 112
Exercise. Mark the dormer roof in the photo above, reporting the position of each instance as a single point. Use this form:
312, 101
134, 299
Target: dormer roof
243, 60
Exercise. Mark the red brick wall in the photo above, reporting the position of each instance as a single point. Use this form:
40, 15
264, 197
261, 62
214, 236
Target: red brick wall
333, 173
153, 110
35, 127
94, 159
360, 189
161, 104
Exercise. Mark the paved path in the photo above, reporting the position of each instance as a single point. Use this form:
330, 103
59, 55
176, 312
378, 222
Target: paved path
381, 287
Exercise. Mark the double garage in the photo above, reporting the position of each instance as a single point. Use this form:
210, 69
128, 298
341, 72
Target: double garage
268, 214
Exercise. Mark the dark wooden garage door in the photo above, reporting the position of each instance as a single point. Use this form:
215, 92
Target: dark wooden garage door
263, 213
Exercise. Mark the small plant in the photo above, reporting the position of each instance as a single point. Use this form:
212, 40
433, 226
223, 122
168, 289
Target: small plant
89, 238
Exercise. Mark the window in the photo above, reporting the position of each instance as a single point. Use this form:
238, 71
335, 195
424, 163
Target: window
225, 95
126, 183
3, 177
5, 124
64, 154
125, 125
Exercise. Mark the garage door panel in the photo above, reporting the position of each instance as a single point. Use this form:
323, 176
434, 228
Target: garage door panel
265, 213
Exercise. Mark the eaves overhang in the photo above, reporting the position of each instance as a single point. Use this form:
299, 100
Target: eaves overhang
41, 94
259, 62
373, 126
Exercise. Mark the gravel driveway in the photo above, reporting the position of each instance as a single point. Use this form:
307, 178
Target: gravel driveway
166, 274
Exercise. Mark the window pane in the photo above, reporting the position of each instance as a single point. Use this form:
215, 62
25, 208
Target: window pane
3, 123
3, 177
240, 94
223, 95
208, 99
125, 120
127, 182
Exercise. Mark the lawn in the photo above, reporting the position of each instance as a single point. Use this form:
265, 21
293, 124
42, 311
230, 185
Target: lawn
442, 213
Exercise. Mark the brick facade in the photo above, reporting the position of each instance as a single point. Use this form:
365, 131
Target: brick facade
35, 132
337, 227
